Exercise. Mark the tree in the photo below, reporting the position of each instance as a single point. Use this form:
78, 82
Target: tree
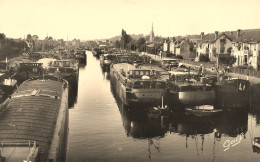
30, 42
29, 37
48, 43
117, 44
230, 60
140, 44
2, 38
125, 39
204, 58
35, 37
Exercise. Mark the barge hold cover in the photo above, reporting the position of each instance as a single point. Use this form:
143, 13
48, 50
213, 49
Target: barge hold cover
30, 114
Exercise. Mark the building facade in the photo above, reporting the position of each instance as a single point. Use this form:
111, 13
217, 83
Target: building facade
246, 48
185, 49
214, 45
166, 46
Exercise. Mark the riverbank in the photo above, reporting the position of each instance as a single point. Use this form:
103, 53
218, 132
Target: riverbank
253, 80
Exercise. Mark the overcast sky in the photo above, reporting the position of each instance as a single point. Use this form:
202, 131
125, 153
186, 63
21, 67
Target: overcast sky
95, 19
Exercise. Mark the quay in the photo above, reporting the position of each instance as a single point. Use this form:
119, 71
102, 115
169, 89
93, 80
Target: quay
253, 80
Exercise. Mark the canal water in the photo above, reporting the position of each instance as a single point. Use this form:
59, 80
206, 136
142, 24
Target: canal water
100, 129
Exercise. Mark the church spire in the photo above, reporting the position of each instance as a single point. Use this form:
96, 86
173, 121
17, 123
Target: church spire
152, 35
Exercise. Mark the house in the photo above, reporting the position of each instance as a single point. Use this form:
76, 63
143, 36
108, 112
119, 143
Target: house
173, 43
166, 46
214, 45
246, 48
181, 46
185, 49
194, 39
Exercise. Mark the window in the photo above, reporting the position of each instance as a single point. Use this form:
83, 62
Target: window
137, 85
146, 85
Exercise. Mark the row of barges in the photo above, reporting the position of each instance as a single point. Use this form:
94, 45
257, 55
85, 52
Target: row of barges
147, 84
34, 107
138, 81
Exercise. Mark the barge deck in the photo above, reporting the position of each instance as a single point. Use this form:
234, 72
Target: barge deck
28, 119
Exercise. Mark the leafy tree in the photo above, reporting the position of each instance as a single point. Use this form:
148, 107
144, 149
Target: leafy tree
30, 43
140, 44
2, 38
204, 58
117, 44
11, 48
29, 37
228, 60
125, 39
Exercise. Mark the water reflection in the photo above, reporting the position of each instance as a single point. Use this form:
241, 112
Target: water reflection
255, 110
82, 65
73, 94
106, 75
233, 123
194, 127
136, 122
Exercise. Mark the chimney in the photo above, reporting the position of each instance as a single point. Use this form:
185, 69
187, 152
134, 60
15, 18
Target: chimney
201, 35
232, 36
238, 33
216, 35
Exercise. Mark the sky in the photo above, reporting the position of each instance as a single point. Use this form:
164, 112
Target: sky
101, 19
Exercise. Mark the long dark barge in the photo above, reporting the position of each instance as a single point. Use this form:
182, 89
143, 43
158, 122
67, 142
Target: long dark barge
81, 57
28, 70
34, 121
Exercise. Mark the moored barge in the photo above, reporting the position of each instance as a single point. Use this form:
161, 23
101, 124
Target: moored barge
106, 60
189, 89
28, 70
232, 93
33, 121
139, 85
81, 57
66, 69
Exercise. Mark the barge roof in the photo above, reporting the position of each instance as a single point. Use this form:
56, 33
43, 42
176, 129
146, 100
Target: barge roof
127, 67
31, 113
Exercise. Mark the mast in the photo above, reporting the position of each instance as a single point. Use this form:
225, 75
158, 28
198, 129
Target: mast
24, 42
68, 44
218, 67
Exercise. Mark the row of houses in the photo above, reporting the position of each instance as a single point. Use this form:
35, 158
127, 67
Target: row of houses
180, 47
243, 45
